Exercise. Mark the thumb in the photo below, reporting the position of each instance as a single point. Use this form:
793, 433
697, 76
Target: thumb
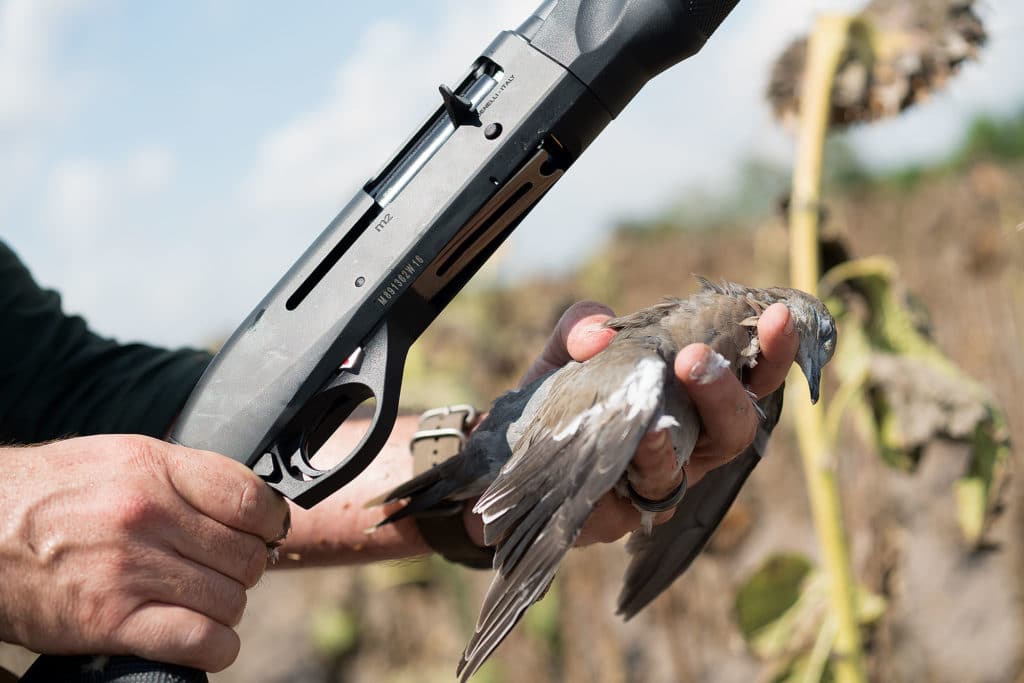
580, 334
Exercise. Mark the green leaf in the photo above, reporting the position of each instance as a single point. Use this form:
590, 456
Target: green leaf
334, 631
770, 592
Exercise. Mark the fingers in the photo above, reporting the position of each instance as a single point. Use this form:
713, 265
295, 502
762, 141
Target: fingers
229, 492
652, 473
777, 336
726, 410
579, 335
176, 581
587, 334
237, 555
170, 633
611, 519
153, 562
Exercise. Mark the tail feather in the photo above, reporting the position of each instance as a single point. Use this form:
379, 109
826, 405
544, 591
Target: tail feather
661, 557
449, 481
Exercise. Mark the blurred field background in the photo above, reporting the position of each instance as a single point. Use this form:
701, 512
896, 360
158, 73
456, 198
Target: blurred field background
936, 608
954, 613
956, 230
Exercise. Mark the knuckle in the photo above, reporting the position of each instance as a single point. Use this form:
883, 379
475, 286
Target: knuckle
654, 454
235, 604
140, 451
743, 435
200, 636
119, 568
202, 641
250, 500
135, 510
97, 613
255, 563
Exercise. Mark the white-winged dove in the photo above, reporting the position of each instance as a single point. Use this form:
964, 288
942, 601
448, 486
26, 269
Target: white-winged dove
546, 453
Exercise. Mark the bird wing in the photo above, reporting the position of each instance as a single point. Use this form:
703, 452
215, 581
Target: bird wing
468, 473
663, 555
577, 447
458, 478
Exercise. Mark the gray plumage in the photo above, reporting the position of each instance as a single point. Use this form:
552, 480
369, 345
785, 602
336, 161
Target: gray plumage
547, 453
658, 558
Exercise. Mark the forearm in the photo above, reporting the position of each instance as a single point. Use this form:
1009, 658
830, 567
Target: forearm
334, 532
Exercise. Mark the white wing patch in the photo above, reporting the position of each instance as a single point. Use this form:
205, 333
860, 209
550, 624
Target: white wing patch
665, 422
639, 392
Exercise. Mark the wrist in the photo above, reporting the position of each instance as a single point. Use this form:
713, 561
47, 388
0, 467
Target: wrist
335, 531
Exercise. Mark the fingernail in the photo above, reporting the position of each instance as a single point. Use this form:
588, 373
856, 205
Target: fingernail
790, 326
709, 368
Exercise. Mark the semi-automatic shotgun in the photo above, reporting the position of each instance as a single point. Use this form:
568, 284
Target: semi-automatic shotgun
335, 330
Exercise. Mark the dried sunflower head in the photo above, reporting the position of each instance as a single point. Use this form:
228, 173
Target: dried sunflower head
899, 53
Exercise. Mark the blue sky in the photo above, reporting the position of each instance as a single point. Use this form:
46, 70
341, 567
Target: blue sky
162, 164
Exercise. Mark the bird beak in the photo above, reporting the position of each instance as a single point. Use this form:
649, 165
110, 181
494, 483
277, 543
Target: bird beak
812, 371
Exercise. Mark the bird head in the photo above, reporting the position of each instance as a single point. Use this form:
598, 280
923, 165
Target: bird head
814, 324
817, 331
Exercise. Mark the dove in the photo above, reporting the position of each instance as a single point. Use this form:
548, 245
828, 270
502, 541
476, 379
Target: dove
546, 453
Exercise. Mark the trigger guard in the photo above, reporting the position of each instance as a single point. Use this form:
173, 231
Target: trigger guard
342, 398
378, 375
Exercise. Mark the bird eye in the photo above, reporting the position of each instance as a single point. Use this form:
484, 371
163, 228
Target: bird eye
827, 349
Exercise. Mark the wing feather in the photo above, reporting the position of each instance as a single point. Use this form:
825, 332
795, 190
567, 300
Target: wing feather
559, 468
660, 557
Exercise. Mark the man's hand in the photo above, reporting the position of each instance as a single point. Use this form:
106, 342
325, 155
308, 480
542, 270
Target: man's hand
729, 419
129, 545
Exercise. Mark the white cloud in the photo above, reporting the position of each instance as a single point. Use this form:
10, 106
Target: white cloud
689, 125
378, 96
177, 267
30, 87
84, 194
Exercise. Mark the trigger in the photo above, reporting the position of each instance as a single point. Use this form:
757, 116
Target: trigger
301, 463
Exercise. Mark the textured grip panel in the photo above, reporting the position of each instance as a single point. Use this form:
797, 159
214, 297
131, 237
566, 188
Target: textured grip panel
709, 14
90, 669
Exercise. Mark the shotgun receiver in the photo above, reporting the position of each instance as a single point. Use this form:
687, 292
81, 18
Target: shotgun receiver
334, 332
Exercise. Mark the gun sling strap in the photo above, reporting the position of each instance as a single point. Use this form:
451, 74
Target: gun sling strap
441, 435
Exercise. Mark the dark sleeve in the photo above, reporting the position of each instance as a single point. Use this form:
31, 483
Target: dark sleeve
58, 378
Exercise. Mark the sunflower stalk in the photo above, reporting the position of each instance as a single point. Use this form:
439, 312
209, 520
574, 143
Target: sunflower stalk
828, 43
